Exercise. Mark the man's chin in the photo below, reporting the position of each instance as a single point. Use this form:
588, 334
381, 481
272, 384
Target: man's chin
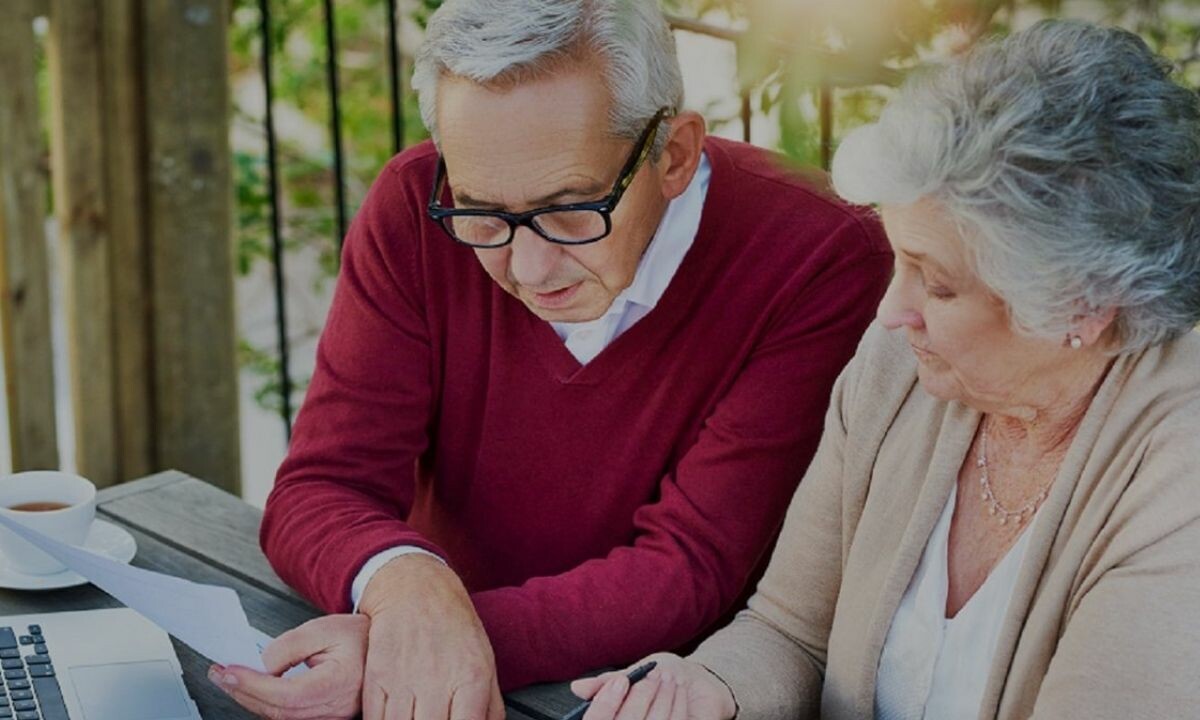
570, 315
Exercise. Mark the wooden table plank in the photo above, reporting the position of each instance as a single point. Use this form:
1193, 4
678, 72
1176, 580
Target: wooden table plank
202, 520
146, 484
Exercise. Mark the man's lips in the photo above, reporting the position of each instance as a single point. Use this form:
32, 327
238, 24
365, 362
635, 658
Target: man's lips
556, 299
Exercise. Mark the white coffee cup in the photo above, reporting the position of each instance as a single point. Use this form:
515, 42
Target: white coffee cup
70, 524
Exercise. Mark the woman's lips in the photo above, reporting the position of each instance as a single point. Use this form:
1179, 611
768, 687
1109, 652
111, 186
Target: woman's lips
557, 299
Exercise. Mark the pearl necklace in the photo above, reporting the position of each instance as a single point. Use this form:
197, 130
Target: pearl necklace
995, 507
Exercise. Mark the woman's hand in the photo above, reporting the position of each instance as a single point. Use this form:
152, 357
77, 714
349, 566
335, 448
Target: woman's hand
676, 689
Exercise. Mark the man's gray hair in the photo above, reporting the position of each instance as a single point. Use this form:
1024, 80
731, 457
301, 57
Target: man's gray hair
1070, 160
502, 41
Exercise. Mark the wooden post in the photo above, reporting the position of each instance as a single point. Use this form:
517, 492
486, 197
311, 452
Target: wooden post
79, 190
24, 272
190, 237
132, 343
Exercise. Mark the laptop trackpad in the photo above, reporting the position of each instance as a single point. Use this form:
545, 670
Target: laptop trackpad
130, 691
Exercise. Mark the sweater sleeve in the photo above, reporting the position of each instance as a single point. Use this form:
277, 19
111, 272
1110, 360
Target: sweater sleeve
718, 508
347, 484
1131, 645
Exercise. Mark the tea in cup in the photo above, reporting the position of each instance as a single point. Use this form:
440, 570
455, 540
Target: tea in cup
57, 504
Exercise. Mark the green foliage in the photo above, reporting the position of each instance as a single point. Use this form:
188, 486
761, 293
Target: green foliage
264, 364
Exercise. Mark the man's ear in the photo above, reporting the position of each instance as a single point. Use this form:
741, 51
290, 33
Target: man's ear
681, 155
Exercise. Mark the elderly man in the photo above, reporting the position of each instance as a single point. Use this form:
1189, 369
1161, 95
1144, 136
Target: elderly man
576, 363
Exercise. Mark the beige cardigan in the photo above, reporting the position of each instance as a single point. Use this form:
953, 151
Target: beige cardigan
1105, 617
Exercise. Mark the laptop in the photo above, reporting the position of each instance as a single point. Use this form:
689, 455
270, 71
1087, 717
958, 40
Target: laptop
90, 665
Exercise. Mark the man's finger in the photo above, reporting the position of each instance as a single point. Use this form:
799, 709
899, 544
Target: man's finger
258, 707
400, 707
294, 647
293, 693
374, 701
496, 709
431, 704
471, 702
265, 709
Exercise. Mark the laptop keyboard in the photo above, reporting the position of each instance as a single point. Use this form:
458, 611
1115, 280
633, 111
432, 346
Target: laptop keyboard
31, 690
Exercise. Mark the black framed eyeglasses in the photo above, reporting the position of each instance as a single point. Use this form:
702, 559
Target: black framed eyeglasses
571, 224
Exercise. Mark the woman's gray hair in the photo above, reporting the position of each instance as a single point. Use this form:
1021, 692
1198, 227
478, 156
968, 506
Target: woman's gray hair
1070, 160
503, 41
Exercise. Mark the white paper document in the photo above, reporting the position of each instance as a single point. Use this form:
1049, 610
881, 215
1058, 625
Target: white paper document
207, 618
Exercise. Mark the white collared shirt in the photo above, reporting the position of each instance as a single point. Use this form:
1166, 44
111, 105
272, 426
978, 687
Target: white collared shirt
934, 668
586, 340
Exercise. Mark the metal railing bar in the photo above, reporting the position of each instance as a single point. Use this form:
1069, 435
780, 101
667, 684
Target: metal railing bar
285, 379
335, 117
394, 78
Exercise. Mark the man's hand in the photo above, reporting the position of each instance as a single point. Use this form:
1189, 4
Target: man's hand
334, 647
428, 657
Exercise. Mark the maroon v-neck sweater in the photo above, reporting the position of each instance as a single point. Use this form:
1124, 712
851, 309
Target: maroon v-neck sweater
599, 512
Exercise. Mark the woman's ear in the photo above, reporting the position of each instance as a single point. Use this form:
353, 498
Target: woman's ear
1093, 327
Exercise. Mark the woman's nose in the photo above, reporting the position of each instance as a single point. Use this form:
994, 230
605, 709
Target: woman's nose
897, 309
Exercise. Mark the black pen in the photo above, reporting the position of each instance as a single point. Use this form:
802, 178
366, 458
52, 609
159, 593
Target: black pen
638, 673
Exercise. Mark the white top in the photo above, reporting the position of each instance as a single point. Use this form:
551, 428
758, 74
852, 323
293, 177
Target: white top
932, 668
585, 340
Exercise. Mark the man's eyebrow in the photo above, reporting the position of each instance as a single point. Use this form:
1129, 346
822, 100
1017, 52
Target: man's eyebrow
551, 199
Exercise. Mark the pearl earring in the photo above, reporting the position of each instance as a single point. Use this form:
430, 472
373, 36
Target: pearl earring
1076, 342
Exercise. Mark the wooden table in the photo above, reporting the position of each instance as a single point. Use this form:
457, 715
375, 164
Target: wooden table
188, 528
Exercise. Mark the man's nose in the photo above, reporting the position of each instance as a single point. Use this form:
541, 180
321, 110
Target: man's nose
533, 259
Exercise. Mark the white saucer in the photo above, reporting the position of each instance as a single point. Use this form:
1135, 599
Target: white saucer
104, 539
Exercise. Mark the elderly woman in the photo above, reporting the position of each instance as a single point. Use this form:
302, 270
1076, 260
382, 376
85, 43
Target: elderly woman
1003, 518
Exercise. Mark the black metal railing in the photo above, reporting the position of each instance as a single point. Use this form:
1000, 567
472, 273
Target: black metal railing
281, 323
